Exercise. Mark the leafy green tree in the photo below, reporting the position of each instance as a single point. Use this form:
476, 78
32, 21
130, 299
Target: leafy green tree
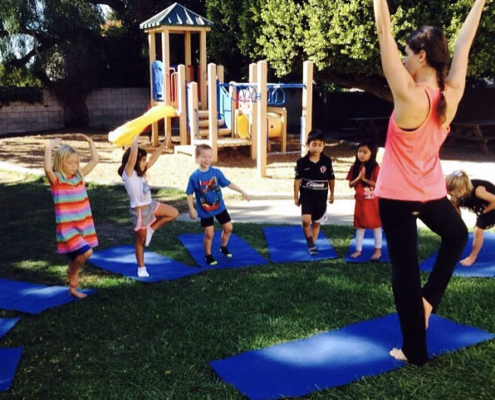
56, 43
339, 37
233, 40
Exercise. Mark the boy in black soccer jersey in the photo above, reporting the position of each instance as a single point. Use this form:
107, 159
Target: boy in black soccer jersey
314, 176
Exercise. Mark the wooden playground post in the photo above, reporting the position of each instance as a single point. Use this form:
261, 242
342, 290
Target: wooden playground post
307, 104
233, 94
182, 107
212, 110
253, 125
261, 120
187, 49
152, 58
220, 73
167, 85
202, 62
194, 110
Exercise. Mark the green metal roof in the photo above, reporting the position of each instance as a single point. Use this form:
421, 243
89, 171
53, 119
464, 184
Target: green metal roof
176, 15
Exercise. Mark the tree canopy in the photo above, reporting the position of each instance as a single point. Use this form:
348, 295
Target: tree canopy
71, 47
339, 37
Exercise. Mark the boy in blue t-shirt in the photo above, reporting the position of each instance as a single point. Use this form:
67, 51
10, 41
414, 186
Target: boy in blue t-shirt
206, 183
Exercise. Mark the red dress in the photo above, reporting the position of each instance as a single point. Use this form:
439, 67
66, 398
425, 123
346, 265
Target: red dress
366, 213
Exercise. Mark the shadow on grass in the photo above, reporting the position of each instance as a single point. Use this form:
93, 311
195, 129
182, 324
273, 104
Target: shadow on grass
154, 341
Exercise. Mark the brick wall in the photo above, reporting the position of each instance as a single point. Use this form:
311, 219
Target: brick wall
108, 108
21, 117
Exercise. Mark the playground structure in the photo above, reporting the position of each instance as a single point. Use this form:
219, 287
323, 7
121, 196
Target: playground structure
210, 111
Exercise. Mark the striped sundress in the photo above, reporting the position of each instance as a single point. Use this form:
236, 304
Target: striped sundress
75, 226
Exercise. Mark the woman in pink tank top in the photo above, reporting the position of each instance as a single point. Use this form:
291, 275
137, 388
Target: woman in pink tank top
411, 183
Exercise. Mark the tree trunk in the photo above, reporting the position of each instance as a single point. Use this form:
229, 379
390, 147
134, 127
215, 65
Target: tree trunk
73, 102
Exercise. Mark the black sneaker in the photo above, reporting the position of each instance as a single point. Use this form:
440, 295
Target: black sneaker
313, 250
210, 260
225, 251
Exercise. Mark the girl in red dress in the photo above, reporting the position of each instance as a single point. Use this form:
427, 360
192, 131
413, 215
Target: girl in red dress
362, 177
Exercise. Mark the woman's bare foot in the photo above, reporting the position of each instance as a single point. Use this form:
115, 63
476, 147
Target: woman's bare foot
356, 254
428, 309
468, 261
376, 255
398, 354
75, 293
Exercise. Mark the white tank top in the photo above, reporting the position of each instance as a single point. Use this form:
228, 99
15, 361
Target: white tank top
138, 189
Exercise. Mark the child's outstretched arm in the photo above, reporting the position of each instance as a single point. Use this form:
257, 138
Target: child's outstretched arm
233, 186
50, 174
487, 196
456, 79
93, 152
156, 154
131, 162
192, 211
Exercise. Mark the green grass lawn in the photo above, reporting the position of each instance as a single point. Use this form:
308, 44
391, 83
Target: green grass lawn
154, 341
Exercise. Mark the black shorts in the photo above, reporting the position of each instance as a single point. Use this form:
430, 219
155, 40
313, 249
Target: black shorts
486, 221
222, 218
316, 207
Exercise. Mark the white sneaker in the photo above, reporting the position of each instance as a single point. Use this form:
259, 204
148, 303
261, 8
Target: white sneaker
149, 234
143, 272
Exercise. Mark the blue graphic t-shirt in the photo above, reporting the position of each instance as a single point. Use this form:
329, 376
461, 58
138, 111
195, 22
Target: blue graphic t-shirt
206, 186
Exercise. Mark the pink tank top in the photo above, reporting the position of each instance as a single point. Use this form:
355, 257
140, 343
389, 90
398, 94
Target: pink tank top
411, 169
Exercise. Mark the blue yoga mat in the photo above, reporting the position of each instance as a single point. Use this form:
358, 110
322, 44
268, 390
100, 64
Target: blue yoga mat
485, 262
6, 324
243, 255
31, 298
9, 358
288, 244
335, 358
122, 260
368, 249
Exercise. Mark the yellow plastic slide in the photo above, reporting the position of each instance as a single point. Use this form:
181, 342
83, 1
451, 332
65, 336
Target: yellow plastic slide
123, 135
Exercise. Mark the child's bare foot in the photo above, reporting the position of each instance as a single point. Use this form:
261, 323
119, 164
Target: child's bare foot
398, 354
428, 309
468, 261
376, 255
75, 293
356, 254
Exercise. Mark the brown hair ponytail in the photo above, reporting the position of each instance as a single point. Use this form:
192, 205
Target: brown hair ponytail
434, 43
442, 104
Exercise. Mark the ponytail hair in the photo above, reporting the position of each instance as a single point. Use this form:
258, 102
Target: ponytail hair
434, 43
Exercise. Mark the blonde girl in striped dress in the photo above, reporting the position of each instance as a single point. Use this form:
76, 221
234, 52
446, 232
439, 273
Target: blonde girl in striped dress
75, 229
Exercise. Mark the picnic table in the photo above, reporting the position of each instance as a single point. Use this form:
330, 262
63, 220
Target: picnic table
371, 124
472, 131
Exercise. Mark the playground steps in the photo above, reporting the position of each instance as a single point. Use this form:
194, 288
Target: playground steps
224, 142
204, 123
221, 132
